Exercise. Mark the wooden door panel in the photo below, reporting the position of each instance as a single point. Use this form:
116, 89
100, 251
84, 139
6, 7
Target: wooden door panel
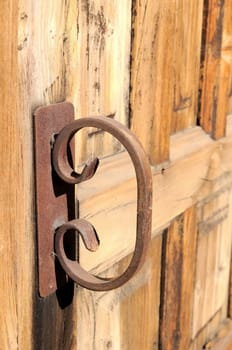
137, 62
15, 204
164, 72
178, 265
97, 56
127, 317
214, 254
186, 65
112, 195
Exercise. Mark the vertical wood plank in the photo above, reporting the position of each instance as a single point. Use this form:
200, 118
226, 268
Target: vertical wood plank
151, 75
41, 80
11, 184
178, 278
127, 317
139, 311
215, 70
225, 72
214, 252
97, 54
186, 64
164, 71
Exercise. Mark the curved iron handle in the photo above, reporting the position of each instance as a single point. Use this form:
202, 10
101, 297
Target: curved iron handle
144, 200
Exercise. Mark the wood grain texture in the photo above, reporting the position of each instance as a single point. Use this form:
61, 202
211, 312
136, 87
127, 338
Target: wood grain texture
12, 231
186, 62
214, 248
97, 55
224, 89
127, 317
227, 50
164, 71
178, 267
111, 194
214, 77
151, 71
223, 338
209, 331
41, 80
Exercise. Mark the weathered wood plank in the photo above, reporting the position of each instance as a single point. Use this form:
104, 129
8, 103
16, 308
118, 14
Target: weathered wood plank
41, 80
127, 317
179, 252
97, 55
225, 72
186, 64
11, 186
214, 248
151, 75
214, 80
164, 72
111, 194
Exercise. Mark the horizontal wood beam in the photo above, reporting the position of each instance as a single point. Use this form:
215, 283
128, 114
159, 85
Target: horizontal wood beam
108, 200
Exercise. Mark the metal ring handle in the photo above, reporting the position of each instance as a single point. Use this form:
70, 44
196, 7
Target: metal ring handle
144, 199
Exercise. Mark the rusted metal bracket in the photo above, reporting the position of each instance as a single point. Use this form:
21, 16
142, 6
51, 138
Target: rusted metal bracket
55, 215
54, 198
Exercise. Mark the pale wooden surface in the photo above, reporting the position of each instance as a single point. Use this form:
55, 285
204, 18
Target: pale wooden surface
41, 80
208, 331
112, 196
151, 95
214, 252
80, 51
97, 56
127, 317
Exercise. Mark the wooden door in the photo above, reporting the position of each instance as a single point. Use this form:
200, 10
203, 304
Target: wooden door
163, 68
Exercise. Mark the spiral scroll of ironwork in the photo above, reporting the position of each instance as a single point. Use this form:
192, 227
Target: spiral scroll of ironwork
86, 230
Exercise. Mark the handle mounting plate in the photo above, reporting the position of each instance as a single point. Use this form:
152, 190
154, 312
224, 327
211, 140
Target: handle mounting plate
54, 198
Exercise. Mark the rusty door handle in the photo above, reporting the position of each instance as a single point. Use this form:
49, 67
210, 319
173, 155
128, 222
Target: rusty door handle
87, 231
55, 180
